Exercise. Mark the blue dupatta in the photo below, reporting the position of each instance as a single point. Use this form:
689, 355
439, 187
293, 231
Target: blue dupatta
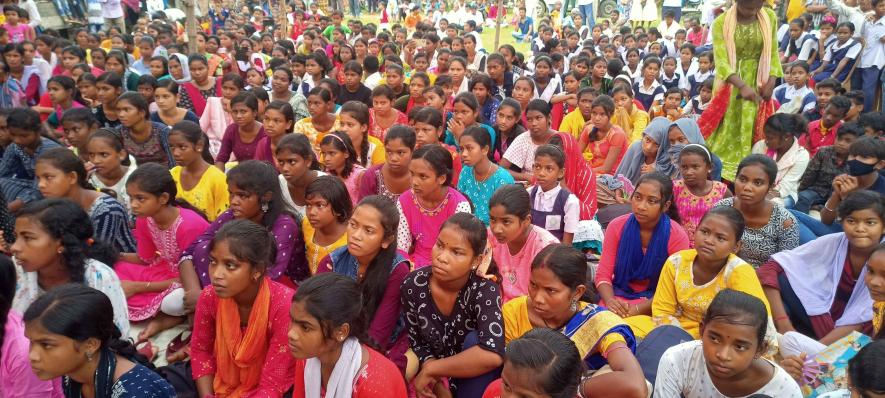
632, 265
589, 326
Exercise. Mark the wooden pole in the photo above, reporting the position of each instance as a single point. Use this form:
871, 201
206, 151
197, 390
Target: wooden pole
498, 19
190, 26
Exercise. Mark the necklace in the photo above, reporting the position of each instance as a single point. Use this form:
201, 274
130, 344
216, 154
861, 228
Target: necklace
431, 212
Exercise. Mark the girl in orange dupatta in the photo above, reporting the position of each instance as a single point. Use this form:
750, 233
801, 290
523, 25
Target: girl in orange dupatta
232, 356
750, 65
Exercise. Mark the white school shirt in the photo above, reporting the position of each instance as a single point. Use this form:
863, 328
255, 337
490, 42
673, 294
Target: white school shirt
683, 371
544, 201
853, 52
699, 77
848, 14
669, 31
874, 51
790, 168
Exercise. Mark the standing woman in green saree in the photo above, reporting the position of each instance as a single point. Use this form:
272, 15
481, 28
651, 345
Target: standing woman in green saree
746, 58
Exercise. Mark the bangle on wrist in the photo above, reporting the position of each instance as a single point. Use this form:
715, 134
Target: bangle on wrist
781, 318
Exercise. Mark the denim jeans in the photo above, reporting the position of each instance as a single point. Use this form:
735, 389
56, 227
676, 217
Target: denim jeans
811, 229
866, 79
354, 8
677, 12
806, 200
587, 13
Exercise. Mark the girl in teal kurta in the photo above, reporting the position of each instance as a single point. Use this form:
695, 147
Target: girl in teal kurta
740, 29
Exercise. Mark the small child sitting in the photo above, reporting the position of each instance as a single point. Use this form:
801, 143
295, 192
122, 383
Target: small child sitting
554, 208
823, 132
795, 96
816, 183
669, 107
696, 106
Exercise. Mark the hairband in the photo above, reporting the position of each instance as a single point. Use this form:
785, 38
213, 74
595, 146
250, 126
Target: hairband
707, 151
337, 138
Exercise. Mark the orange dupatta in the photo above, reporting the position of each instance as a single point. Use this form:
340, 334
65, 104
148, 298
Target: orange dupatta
712, 117
240, 355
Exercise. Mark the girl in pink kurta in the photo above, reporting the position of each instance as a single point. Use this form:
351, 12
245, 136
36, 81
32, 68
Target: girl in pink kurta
514, 239
428, 204
163, 230
696, 166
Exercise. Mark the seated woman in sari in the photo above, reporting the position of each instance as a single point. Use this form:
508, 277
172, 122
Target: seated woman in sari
636, 246
817, 289
602, 338
326, 314
239, 344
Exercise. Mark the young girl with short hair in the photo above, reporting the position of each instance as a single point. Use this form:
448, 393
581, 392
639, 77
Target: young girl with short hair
461, 344
391, 178
734, 323
354, 117
298, 167
163, 228
428, 203
480, 178
326, 322
695, 193
781, 143
278, 120
110, 165
146, 141
372, 260
101, 361
513, 239
325, 223
229, 359
60, 174
554, 207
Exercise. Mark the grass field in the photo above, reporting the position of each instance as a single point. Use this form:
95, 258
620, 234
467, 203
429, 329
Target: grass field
488, 34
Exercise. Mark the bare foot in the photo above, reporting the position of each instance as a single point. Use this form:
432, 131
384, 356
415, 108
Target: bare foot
180, 355
160, 323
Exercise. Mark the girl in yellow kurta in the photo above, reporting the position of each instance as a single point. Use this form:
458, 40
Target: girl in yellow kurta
691, 278
199, 184
325, 218
627, 115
